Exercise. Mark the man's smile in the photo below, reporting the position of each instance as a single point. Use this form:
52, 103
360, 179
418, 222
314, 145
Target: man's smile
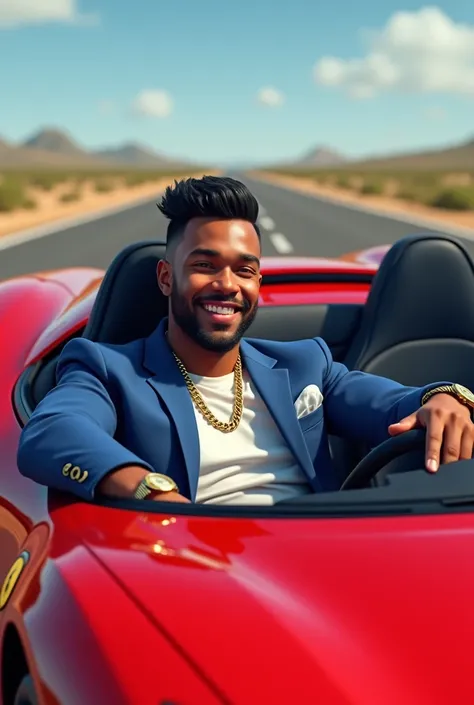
225, 312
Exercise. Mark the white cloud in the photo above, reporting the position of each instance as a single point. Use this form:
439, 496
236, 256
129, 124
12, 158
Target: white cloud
422, 51
153, 103
270, 97
16, 13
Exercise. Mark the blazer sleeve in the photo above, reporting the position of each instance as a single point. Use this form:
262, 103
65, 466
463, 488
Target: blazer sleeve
362, 406
68, 442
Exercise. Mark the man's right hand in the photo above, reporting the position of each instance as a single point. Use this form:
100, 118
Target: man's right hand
123, 483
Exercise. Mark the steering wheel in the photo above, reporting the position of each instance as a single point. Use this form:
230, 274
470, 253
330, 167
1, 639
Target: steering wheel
411, 442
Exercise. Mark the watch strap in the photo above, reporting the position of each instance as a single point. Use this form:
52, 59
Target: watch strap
443, 389
142, 491
462, 394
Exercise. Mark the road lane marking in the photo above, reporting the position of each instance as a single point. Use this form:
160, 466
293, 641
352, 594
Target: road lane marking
432, 224
267, 222
279, 241
281, 244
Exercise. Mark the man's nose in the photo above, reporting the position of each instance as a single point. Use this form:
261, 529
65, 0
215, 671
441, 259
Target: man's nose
225, 281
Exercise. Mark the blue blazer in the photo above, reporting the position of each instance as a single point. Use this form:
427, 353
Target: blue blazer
117, 405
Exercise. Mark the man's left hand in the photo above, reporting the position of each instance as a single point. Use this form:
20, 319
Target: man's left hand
448, 426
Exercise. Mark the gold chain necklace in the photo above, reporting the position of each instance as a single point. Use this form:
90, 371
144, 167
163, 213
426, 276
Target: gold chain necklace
201, 404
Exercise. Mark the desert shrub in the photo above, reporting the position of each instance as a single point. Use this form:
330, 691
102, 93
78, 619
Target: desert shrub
12, 195
45, 182
103, 186
417, 192
70, 196
343, 181
455, 198
372, 188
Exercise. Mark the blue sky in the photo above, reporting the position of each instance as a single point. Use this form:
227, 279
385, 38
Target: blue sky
86, 72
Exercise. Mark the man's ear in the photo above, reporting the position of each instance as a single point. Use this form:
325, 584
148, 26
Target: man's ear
164, 274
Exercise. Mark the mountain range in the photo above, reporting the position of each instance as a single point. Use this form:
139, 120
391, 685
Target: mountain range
459, 156
322, 157
51, 147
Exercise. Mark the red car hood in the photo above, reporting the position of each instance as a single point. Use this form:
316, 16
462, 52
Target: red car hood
331, 611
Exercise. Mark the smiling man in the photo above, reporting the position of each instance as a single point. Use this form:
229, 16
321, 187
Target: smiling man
197, 412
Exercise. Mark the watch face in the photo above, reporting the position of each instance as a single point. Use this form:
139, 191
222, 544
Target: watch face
465, 392
159, 483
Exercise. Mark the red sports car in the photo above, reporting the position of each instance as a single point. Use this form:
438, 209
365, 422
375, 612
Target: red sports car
358, 597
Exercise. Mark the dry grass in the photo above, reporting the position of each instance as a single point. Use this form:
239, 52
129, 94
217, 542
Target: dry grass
446, 189
21, 189
32, 198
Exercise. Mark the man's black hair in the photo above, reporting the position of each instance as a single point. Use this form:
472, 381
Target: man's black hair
208, 197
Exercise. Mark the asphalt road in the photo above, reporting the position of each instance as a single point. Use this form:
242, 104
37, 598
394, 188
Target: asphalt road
292, 223
311, 226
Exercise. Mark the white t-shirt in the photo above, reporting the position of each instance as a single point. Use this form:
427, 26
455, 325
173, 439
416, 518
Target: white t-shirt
251, 465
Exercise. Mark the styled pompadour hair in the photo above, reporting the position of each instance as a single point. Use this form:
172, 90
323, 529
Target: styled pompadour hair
208, 197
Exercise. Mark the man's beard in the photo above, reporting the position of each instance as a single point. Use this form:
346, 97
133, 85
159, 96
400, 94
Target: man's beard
188, 321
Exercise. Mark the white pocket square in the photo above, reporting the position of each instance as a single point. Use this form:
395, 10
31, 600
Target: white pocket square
308, 401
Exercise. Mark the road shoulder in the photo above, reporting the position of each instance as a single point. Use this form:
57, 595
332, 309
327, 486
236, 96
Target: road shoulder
461, 223
52, 211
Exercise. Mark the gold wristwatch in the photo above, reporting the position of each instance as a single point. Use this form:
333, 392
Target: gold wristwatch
462, 394
154, 483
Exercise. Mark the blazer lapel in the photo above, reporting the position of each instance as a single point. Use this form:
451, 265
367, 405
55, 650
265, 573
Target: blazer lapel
273, 385
169, 384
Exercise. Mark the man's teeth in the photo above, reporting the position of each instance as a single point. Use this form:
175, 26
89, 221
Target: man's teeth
226, 311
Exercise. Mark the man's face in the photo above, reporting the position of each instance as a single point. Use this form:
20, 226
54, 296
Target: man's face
213, 281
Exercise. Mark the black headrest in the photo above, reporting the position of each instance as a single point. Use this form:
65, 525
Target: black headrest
129, 303
423, 291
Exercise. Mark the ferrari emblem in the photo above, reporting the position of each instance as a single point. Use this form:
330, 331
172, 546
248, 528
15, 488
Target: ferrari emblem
12, 578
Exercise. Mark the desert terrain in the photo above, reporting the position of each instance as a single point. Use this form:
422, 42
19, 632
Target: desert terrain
437, 185
50, 177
